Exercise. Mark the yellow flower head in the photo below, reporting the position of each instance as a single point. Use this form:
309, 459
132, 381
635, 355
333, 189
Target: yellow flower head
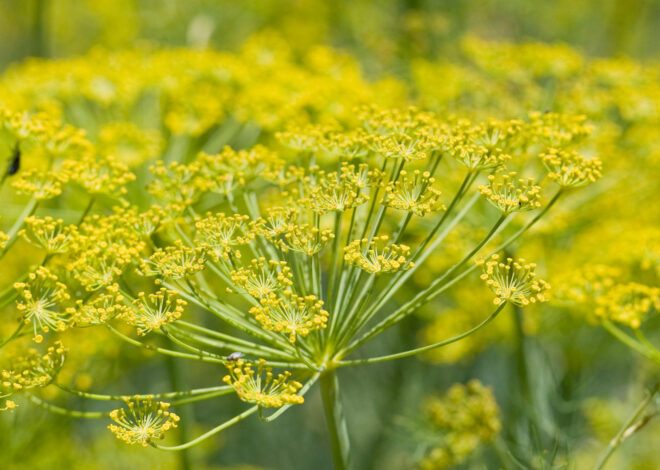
570, 169
174, 262
378, 256
142, 420
150, 312
628, 303
32, 369
42, 301
514, 281
291, 314
47, 233
41, 185
263, 278
413, 192
220, 235
262, 386
509, 194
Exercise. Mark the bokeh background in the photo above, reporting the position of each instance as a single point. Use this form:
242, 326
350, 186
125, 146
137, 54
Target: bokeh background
564, 386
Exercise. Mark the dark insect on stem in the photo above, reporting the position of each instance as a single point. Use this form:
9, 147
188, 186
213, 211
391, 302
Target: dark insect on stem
15, 163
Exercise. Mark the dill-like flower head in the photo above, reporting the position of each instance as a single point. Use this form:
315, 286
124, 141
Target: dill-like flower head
100, 175
32, 369
221, 235
378, 256
42, 302
413, 192
291, 314
98, 309
570, 169
263, 278
152, 311
41, 185
514, 281
4, 238
262, 386
336, 191
305, 239
174, 262
509, 194
628, 303
47, 233
466, 417
142, 420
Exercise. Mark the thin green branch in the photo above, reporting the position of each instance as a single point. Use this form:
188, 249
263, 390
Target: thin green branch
423, 349
212, 432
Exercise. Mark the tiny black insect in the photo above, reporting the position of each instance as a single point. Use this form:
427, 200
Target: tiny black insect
235, 356
15, 163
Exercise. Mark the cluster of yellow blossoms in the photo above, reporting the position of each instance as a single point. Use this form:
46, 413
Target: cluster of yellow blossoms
256, 225
466, 417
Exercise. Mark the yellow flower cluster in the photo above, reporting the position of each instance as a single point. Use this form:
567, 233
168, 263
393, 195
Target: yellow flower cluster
142, 420
31, 370
377, 256
514, 281
414, 193
174, 262
150, 312
467, 416
47, 233
510, 195
43, 302
262, 386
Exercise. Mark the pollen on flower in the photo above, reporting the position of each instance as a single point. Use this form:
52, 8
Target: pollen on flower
142, 420
262, 387
514, 281
378, 256
509, 194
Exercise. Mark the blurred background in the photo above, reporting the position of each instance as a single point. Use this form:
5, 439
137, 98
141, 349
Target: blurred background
563, 386
380, 34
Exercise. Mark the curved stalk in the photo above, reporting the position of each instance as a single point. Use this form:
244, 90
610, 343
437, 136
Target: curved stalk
429, 347
631, 426
65, 411
210, 433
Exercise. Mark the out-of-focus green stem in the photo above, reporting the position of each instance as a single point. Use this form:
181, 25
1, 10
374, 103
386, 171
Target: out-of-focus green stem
335, 420
631, 426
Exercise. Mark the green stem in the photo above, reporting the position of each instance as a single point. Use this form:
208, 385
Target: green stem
429, 347
632, 425
335, 420
66, 412
18, 224
13, 335
212, 432
632, 343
